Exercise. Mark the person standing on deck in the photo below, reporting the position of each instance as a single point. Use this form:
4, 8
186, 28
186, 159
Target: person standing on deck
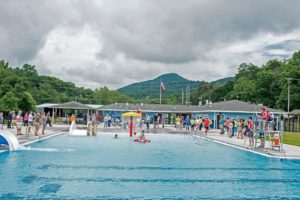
197, 123
26, 119
181, 122
201, 123
148, 122
44, 123
9, 119
193, 124
19, 123
207, 123
37, 124
13, 119
48, 120
187, 123
178, 122
250, 131
30, 121
1, 120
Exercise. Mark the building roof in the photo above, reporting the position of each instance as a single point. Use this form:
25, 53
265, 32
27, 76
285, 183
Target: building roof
72, 105
46, 105
95, 106
224, 106
295, 112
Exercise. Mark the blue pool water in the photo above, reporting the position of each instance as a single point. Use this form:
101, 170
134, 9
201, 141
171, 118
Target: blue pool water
170, 167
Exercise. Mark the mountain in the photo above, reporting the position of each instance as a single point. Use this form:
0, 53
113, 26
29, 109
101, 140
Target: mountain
222, 81
151, 88
173, 83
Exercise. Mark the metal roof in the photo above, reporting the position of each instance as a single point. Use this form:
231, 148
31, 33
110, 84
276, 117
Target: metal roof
72, 105
224, 106
46, 105
94, 106
295, 112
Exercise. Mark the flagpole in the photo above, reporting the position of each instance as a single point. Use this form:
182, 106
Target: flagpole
160, 93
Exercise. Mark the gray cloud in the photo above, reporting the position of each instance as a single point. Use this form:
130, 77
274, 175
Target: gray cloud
114, 42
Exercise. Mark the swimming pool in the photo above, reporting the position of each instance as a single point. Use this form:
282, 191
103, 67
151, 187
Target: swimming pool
170, 167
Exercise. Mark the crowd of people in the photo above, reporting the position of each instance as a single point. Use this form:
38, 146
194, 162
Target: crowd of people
193, 123
247, 128
31, 121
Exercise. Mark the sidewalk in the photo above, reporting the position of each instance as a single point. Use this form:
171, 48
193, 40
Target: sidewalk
23, 139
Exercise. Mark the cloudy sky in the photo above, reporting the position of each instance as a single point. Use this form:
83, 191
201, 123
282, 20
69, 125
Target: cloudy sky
117, 42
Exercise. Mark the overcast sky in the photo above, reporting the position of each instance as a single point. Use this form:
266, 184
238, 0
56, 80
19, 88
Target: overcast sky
117, 42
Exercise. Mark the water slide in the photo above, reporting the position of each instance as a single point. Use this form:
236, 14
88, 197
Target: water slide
77, 132
9, 140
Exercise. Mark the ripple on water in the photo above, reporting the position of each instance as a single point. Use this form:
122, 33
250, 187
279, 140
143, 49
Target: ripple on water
50, 188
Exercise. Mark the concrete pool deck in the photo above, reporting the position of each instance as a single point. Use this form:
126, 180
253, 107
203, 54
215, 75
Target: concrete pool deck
289, 151
30, 138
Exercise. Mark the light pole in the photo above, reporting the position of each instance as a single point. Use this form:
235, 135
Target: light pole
289, 81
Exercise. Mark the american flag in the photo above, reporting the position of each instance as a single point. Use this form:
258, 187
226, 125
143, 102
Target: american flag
162, 86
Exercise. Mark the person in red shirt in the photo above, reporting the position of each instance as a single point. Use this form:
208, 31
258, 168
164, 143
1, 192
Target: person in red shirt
250, 131
206, 124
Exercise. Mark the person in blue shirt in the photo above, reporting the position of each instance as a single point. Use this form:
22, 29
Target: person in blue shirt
187, 123
222, 125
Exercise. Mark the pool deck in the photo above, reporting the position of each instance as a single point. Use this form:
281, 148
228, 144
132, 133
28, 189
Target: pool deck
289, 151
30, 138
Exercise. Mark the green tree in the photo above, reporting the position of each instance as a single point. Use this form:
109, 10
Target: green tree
244, 89
27, 103
9, 102
290, 69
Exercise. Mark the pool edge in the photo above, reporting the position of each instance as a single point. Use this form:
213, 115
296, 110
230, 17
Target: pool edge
36, 140
249, 150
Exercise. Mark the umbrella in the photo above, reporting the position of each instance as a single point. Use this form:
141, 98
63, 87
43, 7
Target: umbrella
131, 115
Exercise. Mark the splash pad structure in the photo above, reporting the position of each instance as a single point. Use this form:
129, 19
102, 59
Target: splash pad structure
9, 140
131, 116
74, 131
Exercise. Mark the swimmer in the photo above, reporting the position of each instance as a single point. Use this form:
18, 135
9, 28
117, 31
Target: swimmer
142, 136
135, 136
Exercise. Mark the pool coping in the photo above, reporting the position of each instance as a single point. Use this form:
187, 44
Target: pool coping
42, 138
249, 150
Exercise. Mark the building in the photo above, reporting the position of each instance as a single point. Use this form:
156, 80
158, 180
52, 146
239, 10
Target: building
232, 109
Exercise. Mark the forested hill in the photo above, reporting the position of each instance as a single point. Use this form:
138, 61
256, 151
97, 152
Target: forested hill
151, 88
23, 88
266, 84
173, 83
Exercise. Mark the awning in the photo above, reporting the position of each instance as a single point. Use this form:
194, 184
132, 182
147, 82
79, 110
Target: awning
73, 105
131, 114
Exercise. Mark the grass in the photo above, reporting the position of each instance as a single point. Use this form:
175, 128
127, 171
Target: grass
291, 138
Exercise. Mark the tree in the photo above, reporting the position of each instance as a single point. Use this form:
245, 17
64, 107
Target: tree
290, 69
244, 89
267, 87
27, 103
9, 102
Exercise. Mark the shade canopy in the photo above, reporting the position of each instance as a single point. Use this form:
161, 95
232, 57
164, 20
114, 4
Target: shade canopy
73, 105
131, 114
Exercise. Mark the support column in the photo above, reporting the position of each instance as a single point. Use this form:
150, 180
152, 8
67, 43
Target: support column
130, 126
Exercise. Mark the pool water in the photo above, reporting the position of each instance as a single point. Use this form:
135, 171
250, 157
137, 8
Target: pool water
170, 167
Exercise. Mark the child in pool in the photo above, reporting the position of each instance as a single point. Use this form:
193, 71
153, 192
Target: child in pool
142, 136
89, 128
135, 136
94, 128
